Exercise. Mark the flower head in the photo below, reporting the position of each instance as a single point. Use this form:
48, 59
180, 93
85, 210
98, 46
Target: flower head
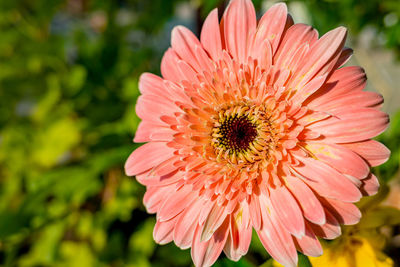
255, 125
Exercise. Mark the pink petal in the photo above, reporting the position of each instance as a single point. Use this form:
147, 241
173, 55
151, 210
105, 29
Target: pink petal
150, 178
330, 230
311, 117
183, 41
146, 157
186, 225
255, 212
163, 231
352, 125
238, 241
207, 252
263, 55
287, 210
355, 99
311, 206
345, 213
155, 196
151, 108
214, 220
342, 81
176, 92
271, 27
149, 131
175, 203
345, 55
370, 185
322, 56
166, 169
372, 151
342, 159
168, 66
211, 36
275, 238
309, 243
307, 90
187, 72
296, 37
326, 181
151, 84
239, 21
205, 211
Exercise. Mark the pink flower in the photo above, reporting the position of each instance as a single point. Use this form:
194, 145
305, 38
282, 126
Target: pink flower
257, 125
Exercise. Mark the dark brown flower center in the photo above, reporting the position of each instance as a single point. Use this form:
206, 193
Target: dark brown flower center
236, 133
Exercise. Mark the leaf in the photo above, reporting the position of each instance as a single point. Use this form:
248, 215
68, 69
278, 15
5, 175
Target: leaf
49, 100
228, 263
141, 241
12, 223
380, 216
52, 143
304, 261
44, 250
76, 79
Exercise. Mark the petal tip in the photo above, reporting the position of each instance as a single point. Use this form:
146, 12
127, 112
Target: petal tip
280, 5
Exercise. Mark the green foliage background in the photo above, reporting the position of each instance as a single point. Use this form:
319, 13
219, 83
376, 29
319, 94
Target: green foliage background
68, 85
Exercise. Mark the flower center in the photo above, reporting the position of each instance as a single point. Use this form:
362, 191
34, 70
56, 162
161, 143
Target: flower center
245, 134
235, 133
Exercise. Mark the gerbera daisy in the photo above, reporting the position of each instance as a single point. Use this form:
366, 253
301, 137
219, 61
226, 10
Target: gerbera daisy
255, 125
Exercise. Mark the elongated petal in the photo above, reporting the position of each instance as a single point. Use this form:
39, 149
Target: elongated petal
168, 66
151, 84
239, 21
214, 220
207, 252
356, 99
186, 225
183, 41
323, 178
342, 82
276, 240
311, 206
147, 105
340, 158
146, 157
345, 213
150, 178
238, 240
176, 203
301, 94
330, 230
211, 36
309, 244
288, 210
297, 36
352, 125
372, 151
370, 185
322, 56
263, 55
255, 212
151, 131
345, 55
271, 27
155, 196
163, 231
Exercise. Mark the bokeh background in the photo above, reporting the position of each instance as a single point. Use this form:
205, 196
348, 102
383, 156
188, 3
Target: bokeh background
68, 86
